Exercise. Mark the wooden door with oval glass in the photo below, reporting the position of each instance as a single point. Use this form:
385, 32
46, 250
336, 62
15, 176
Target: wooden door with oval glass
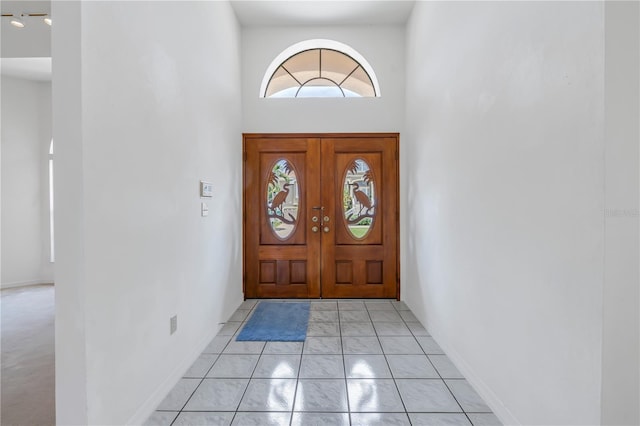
321, 216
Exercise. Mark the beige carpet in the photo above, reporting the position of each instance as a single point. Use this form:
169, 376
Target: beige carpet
28, 367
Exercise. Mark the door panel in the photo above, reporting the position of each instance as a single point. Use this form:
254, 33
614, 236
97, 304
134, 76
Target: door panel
355, 266
282, 259
320, 216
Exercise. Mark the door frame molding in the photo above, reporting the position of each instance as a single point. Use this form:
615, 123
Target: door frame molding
246, 136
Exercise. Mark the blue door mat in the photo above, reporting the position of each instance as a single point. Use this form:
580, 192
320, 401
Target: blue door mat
277, 322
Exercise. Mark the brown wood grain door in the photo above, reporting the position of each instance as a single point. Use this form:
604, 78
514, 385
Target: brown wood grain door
281, 187
321, 216
360, 186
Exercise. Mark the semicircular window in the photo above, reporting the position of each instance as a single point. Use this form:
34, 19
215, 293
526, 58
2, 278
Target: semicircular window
317, 73
282, 199
359, 198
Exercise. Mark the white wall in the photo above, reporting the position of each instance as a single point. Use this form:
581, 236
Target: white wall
70, 323
621, 321
381, 46
26, 133
504, 195
157, 103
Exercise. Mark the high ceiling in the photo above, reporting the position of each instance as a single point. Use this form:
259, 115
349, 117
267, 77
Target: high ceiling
26, 52
253, 13
250, 13
25, 6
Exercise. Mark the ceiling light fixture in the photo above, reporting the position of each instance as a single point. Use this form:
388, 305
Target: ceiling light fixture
17, 21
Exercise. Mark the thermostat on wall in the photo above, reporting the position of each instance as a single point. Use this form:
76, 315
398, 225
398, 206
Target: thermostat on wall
206, 189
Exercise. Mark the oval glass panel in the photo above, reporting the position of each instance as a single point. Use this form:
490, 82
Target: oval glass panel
282, 199
359, 198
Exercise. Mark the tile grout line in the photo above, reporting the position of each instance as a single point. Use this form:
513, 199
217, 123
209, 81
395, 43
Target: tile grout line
252, 372
447, 386
344, 364
295, 392
384, 354
205, 375
434, 368
404, 321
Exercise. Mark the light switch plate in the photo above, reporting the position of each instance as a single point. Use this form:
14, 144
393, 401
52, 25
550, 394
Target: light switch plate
204, 209
173, 324
206, 189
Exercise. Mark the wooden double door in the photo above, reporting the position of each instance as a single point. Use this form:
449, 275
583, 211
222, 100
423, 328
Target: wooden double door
321, 216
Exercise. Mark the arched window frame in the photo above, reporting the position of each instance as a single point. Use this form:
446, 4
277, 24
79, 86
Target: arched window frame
318, 44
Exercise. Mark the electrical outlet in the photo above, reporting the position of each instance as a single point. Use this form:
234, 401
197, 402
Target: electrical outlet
173, 324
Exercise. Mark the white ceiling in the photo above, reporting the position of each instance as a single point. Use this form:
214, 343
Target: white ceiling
26, 51
25, 6
250, 13
253, 13
38, 69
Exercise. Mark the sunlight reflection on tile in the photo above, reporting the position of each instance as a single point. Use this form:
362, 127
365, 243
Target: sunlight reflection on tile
360, 364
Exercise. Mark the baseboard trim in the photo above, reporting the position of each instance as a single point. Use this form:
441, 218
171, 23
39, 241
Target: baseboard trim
492, 400
150, 405
4, 286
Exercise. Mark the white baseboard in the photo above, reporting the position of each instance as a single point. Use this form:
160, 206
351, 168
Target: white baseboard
492, 400
150, 405
4, 286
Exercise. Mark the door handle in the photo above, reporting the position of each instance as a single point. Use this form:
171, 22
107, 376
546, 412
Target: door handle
323, 220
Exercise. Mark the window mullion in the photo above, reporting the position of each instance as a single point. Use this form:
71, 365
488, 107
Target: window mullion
283, 67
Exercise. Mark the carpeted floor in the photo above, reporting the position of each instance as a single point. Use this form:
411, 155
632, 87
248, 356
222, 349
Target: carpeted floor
27, 345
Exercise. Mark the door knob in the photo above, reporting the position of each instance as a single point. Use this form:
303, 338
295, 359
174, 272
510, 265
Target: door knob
314, 229
326, 229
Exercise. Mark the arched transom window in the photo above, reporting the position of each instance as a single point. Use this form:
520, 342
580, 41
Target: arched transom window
322, 68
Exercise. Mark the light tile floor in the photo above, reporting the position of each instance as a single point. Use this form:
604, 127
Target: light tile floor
363, 363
